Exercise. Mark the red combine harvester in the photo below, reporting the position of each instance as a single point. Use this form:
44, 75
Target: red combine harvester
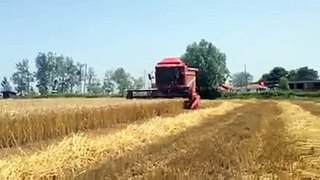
173, 79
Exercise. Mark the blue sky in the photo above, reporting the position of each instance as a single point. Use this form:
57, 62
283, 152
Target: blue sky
137, 34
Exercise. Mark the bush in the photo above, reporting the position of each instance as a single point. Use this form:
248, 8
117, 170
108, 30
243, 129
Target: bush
234, 95
284, 84
261, 95
278, 94
209, 93
311, 94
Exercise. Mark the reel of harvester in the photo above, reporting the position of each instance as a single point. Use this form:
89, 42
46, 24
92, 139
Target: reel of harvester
173, 79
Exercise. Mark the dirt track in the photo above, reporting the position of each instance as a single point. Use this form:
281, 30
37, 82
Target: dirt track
251, 140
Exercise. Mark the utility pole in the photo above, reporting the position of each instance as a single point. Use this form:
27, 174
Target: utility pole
144, 78
85, 78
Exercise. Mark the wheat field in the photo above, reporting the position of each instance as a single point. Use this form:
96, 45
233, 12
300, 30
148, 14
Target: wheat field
158, 139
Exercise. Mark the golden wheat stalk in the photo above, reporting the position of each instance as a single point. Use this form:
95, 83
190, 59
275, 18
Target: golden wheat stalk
80, 152
49, 119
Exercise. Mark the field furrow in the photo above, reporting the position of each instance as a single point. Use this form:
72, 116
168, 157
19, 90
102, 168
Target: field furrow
223, 147
304, 128
159, 153
82, 152
108, 127
231, 139
310, 106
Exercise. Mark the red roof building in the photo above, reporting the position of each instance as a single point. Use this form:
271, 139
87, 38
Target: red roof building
256, 87
224, 88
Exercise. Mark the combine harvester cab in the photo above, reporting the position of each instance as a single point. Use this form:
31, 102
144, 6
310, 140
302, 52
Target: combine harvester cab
173, 79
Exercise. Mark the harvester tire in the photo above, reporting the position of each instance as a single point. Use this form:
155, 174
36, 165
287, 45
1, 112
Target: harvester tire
186, 104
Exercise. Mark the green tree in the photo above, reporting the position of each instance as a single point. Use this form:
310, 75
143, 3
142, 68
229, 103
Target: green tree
300, 74
122, 80
91, 78
212, 66
5, 85
32, 91
138, 83
306, 74
241, 79
72, 79
283, 83
55, 72
95, 87
108, 83
292, 75
22, 77
44, 66
59, 75
52, 69
275, 74
80, 75
266, 77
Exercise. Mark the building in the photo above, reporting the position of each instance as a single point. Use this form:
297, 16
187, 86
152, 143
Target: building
305, 85
253, 87
8, 94
256, 87
224, 88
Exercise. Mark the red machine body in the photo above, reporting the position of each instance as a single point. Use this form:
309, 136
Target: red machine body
173, 79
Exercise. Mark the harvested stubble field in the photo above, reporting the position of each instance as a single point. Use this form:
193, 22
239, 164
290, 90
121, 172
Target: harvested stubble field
247, 139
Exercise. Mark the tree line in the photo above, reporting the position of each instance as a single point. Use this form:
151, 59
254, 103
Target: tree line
61, 74
57, 73
300, 74
276, 75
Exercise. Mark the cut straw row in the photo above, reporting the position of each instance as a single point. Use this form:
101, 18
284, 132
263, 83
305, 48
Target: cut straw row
80, 152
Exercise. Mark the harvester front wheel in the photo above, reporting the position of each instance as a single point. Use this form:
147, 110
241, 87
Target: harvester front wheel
186, 104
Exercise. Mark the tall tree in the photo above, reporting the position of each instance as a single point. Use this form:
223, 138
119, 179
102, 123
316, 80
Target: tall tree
32, 91
22, 77
56, 73
5, 85
241, 79
212, 66
300, 74
52, 69
43, 75
138, 83
306, 74
292, 75
275, 74
72, 79
91, 79
95, 87
60, 77
122, 80
265, 77
108, 83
